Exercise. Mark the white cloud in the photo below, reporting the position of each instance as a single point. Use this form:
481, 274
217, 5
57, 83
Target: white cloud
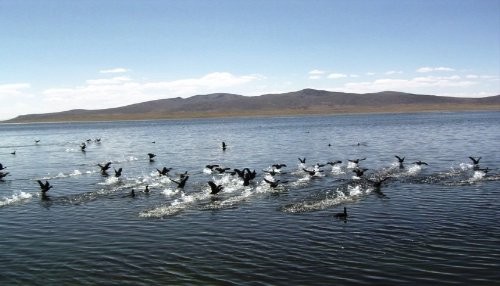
115, 70
337, 75
119, 91
316, 74
13, 88
430, 69
105, 81
416, 84
393, 72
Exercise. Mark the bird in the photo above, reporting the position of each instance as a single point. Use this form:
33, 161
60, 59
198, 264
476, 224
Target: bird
378, 183
130, 195
164, 171
303, 161
13, 152
278, 166
359, 172
104, 168
334, 163
215, 188
182, 182
356, 161
151, 156
98, 140
146, 190
83, 146
475, 161
273, 184
311, 172
44, 187
211, 167
224, 146
342, 215
37, 141
419, 163
2, 167
3, 175
118, 172
222, 170
400, 160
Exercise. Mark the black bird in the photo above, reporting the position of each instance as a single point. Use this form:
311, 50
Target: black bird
419, 163
239, 172
44, 187
222, 170
104, 168
248, 176
182, 182
211, 167
130, 195
311, 172
13, 152
273, 184
118, 173
342, 215
334, 163
146, 190
475, 162
303, 161
318, 165
356, 161
378, 183
83, 146
400, 160
224, 146
183, 175
164, 171
215, 188
2, 167
153, 142
151, 156
3, 175
98, 140
278, 166
37, 141
359, 172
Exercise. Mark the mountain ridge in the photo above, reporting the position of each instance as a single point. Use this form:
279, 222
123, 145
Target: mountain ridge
301, 102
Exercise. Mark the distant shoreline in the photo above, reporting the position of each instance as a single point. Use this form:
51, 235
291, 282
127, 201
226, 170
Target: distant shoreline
408, 109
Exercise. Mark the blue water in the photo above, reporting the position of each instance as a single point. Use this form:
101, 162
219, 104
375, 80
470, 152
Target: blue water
434, 224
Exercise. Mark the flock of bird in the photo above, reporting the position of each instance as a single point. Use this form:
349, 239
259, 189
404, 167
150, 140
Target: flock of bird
245, 174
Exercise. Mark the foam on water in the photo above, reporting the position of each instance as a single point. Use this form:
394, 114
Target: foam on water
16, 197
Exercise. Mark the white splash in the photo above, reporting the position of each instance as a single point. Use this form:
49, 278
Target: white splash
16, 197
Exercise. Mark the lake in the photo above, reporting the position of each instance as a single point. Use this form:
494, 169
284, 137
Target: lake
434, 223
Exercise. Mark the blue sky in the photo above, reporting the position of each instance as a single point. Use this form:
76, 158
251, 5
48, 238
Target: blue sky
60, 55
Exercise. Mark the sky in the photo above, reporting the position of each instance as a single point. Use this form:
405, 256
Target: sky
58, 55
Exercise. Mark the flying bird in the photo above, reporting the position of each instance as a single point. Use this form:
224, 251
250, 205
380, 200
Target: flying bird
104, 168
44, 187
215, 188
151, 156
118, 172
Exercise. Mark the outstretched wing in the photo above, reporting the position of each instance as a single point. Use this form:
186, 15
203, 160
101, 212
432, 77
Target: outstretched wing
41, 184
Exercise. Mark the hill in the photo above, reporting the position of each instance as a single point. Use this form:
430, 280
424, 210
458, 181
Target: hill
306, 101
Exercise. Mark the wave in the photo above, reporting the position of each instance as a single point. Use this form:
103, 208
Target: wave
17, 197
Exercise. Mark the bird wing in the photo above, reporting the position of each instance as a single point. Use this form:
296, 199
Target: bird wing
212, 185
41, 184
